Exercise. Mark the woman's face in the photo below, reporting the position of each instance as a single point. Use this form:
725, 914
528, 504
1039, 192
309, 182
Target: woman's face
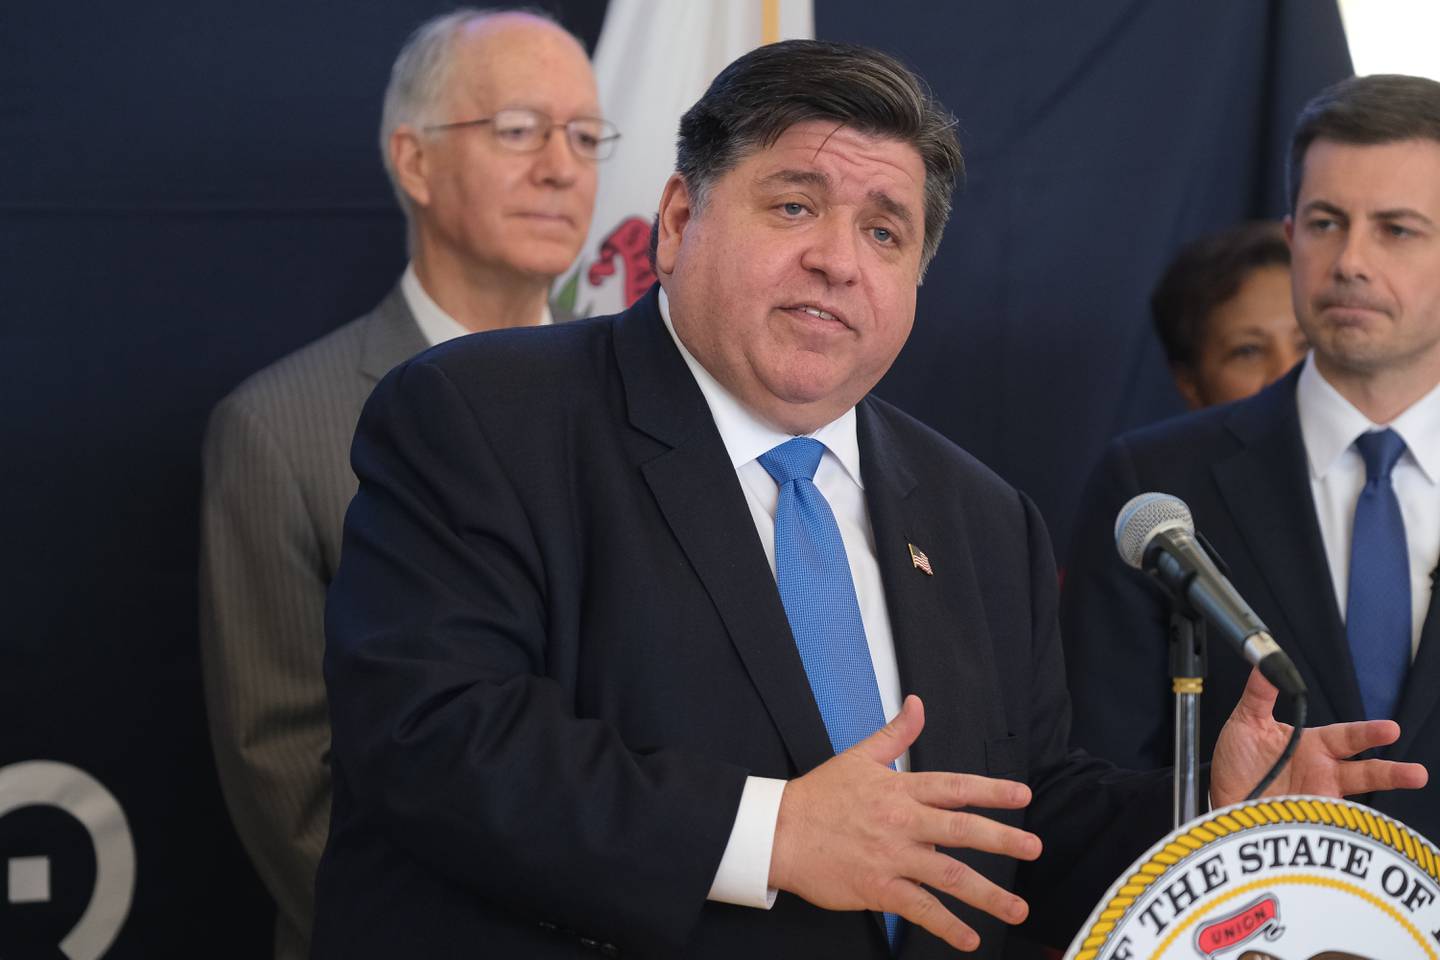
1248, 342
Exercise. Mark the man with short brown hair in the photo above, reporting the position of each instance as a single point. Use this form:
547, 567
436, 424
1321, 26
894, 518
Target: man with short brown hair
1322, 492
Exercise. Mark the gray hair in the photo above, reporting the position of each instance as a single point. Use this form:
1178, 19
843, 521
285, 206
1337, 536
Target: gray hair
754, 100
421, 72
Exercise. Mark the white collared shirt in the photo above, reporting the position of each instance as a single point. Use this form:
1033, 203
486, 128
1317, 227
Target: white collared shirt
743, 875
1329, 425
435, 324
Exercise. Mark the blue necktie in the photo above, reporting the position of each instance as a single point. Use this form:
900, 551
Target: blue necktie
1377, 611
819, 598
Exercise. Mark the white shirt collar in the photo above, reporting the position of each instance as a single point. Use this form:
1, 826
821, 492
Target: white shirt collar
745, 435
435, 324
1329, 424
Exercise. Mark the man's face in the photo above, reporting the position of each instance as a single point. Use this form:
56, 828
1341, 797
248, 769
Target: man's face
1247, 343
795, 284
486, 207
1365, 250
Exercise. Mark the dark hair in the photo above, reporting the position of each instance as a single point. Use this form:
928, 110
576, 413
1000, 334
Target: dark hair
754, 100
1205, 274
1380, 108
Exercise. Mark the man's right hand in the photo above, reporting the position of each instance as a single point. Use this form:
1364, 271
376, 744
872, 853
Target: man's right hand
853, 834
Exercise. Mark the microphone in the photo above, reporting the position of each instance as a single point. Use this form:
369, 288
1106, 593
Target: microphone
1154, 532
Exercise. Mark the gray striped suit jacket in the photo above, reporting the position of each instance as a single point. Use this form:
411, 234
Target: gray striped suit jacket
277, 483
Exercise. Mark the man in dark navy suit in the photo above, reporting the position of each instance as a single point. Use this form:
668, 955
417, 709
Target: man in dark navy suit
657, 636
1281, 483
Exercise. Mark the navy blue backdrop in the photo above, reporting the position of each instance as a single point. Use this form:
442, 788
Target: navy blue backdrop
188, 191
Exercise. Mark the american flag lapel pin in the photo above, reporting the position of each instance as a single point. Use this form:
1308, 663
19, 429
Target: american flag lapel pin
919, 561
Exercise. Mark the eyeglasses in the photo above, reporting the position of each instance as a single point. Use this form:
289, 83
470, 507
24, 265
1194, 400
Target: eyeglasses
527, 131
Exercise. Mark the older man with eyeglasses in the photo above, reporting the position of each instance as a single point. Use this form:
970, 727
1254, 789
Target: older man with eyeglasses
491, 133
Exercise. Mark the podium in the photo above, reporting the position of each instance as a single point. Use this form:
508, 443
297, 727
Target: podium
1286, 878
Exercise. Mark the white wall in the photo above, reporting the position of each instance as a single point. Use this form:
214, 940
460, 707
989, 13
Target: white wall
1393, 36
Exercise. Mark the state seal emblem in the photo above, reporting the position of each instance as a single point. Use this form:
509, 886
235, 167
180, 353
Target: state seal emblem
1291, 878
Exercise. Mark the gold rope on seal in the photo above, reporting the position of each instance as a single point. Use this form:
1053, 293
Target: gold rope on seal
1407, 844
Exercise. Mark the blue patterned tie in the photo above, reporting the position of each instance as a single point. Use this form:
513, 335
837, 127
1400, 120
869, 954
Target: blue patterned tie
819, 598
1377, 611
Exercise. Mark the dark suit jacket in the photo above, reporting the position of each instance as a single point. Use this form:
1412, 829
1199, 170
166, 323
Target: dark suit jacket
1242, 470
555, 651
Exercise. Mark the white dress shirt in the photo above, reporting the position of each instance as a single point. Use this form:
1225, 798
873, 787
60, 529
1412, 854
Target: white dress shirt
743, 875
1329, 425
435, 324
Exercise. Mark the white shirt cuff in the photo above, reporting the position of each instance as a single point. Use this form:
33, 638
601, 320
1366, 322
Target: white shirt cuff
743, 877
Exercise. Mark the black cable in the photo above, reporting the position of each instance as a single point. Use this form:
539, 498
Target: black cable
1287, 753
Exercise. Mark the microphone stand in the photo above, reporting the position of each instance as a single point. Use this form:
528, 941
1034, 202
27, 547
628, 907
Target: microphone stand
1187, 672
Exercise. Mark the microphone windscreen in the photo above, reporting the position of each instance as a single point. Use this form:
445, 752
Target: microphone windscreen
1142, 518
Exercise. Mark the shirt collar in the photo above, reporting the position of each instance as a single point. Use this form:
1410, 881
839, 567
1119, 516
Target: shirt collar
745, 435
1329, 424
435, 324
1419, 427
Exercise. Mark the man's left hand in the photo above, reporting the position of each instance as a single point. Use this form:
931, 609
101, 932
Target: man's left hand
1252, 739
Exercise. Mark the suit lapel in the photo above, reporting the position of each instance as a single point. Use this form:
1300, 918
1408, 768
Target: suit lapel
1266, 489
391, 336
1417, 700
699, 494
942, 645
